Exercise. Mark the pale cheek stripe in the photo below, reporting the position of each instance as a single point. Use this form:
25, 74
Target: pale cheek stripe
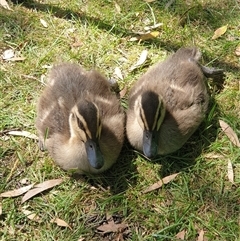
156, 116
143, 117
99, 127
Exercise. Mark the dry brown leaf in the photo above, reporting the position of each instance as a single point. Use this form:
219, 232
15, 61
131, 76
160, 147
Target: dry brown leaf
123, 92
159, 184
237, 51
118, 73
111, 227
44, 23
181, 235
31, 215
16, 192
117, 7
219, 32
23, 133
40, 188
60, 223
230, 172
141, 60
230, 133
5, 5
200, 235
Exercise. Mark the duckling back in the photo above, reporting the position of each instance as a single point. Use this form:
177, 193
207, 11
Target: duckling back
63, 134
179, 82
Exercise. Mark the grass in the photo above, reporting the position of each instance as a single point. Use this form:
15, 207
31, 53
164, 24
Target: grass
201, 197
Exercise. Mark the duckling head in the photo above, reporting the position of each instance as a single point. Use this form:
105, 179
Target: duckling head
85, 125
150, 112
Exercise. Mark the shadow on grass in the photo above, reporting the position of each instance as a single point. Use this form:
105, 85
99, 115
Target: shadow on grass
210, 16
118, 178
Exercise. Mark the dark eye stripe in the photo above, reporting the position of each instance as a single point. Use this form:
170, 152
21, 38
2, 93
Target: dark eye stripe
80, 125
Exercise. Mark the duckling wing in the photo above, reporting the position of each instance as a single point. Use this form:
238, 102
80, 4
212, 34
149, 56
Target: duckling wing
186, 98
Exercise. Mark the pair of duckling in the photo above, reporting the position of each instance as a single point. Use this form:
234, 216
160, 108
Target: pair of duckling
82, 125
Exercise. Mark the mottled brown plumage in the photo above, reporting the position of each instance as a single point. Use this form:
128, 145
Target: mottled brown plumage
180, 86
78, 114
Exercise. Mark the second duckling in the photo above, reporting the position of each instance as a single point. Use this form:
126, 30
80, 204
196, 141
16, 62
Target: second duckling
168, 103
79, 120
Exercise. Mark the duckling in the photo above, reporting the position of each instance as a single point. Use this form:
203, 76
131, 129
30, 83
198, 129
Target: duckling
168, 103
80, 120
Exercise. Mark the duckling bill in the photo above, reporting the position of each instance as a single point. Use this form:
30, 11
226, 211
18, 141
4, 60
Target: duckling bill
79, 120
168, 103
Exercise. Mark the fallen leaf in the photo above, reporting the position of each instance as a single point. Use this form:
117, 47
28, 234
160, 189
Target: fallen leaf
118, 9
237, 51
31, 215
5, 5
145, 36
200, 235
118, 73
60, 223
23, 133
141, 60
123, 92
16, 192
8, 54
44, 23
111, 227
159, 184
219, 32
157, 25
229, 133
150, 35
230, 172
40, 188
181, 235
